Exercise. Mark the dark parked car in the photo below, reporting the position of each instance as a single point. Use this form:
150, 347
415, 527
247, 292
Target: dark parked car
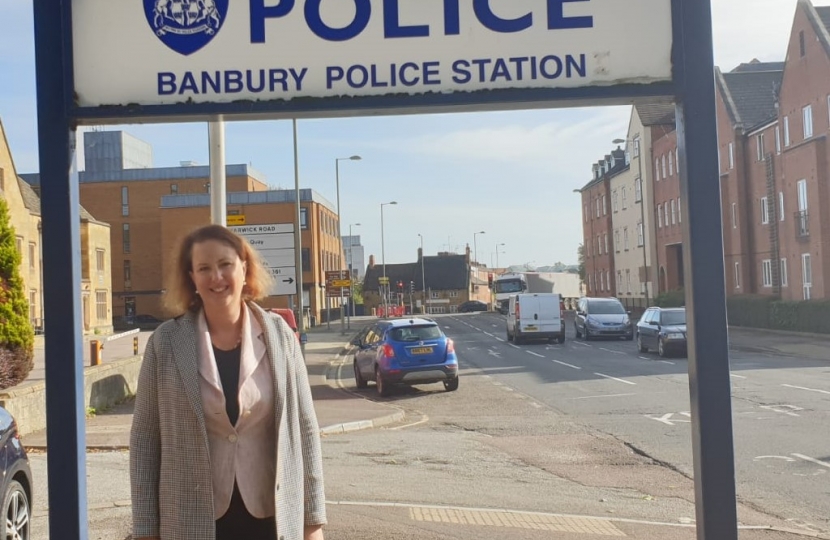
471, 306
602, 317
405, 351
663, 330
16, 482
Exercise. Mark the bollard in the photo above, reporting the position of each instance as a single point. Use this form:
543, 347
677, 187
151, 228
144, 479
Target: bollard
135, 346
96, 355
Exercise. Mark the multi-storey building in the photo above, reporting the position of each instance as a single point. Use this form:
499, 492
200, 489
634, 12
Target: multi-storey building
355, 256
668, 216
25, 217
597, 225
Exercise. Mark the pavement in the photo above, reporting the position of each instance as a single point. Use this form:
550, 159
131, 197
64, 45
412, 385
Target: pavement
340, 411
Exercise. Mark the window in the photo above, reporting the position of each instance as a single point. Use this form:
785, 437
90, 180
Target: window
806, 275
615, 201
679, 213
617, 240
673, 213
677, 160
608, 280
734, 216
128, 274
663, 165
657, 169
781, 206
660, 216
638, 190
33, 306
125, 201
628, 281
584, 213
640, 234
304, 218
777, 140
453, 294
597, 200
174, 189
604, 206
101, 305
636, 143
625, 238
32, 251
125, 237
766, 270
606, 242
764, 211
19, 242
802, 44
784, 278
802, 195
99, 265
731, 156
671, 164
624, 198
807, 116
737, 275
306, 257
759, 143
619, 280
786, 131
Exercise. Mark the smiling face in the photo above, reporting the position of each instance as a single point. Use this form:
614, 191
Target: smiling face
218, 274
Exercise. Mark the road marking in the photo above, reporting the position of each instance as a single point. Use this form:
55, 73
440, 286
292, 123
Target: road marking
614, 378
516, 520
567, 364
666, 362
500, 339
489, 334
611, 350
783, 409
668, 420
737, 376
583, 344
643, 358
535, 354
603, 396
807, 389
424, 419
514, 346
813, 460
783, 458
491, 352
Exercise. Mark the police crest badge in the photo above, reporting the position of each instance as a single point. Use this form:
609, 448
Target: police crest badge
185, 25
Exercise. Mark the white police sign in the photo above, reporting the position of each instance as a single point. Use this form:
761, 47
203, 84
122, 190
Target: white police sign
156, 52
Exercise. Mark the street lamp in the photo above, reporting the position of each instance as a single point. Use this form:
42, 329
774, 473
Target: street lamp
383, 254
497, 253
475, 246
350, 312
339, 236
423, 278
636, 143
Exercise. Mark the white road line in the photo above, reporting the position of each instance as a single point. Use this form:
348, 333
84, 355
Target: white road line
615, 379
567, 364
807, 389
489, 334
535, 354
583, 344
737, 376
611, 350
500, 339
514, 346
603, 396
643, 358
813, 460
666, 362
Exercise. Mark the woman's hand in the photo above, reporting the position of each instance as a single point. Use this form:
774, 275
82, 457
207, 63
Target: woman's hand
313, 532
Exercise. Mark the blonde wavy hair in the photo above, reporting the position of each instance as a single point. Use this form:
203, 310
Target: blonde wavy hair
181, 296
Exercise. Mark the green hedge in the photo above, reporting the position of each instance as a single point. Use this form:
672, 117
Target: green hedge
670, 299
770, 313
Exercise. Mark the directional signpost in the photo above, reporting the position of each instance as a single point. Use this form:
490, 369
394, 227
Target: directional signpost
275, 244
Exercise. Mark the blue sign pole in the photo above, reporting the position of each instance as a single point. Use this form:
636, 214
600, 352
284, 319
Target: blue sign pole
62, 273
709, 383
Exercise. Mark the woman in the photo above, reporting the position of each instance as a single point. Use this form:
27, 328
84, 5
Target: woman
224, 442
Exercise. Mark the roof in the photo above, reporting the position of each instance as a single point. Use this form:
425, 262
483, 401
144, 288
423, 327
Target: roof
619, 166
31, 201
820, 19
442, 273
750, 92
655, 114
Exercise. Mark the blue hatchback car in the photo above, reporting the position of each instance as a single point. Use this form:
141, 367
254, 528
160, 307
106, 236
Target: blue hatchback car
404, 351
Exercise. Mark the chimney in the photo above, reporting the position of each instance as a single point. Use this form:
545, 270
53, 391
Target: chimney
467, 253
371, 261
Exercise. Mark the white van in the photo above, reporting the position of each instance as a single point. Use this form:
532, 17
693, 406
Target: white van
536, 316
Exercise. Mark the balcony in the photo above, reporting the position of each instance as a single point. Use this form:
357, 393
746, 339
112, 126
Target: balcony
802, 225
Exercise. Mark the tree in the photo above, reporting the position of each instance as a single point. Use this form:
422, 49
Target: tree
16, 334
581, 253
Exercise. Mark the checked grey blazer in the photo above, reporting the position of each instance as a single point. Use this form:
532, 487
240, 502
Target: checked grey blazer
170, 469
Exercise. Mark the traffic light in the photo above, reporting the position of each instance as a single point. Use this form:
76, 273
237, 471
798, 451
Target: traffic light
411, 287
400, 286
490, 280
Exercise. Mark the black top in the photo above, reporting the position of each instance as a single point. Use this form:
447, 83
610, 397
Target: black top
228, 364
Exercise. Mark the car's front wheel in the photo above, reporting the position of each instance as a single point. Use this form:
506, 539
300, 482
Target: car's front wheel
451, 385
640, 346
661, 349
359, 381
17, 513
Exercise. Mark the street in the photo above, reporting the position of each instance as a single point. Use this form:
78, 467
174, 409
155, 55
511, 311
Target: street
584, 440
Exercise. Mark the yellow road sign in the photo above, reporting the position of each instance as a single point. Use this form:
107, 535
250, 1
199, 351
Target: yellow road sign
236, 220
341, 283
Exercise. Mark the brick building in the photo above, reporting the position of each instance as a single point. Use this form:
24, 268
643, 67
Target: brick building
598, 227
667, 214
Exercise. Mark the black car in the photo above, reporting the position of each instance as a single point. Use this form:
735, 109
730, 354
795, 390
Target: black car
16, 481
471, 306
663, 330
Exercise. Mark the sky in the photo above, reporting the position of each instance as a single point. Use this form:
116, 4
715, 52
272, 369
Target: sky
509, 174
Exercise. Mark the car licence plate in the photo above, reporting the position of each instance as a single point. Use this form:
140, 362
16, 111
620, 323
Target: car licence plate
422, 350
530, 329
